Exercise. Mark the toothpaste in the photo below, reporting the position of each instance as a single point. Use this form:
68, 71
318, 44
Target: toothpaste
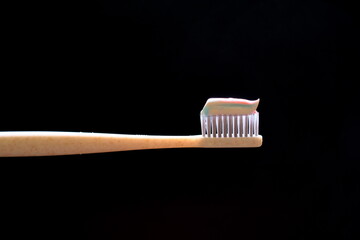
229, 106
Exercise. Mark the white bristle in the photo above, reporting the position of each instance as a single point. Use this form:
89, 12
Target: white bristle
224, 126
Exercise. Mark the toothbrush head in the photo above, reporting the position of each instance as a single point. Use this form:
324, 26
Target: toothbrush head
229, 118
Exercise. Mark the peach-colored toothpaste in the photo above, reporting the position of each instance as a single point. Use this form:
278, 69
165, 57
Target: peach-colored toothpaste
229, 106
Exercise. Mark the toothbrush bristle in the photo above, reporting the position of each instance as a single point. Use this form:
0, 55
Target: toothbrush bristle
230, 126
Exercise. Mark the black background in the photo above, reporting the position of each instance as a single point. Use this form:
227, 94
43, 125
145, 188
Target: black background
147, 67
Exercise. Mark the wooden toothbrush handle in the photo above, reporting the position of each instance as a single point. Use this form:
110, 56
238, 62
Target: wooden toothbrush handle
15, 144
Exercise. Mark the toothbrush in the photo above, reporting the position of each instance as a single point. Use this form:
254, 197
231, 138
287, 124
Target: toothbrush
225, 123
